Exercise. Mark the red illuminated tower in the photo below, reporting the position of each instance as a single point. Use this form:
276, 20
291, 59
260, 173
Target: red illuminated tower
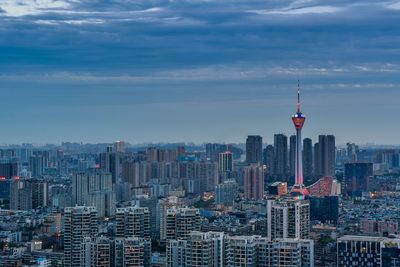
298, 121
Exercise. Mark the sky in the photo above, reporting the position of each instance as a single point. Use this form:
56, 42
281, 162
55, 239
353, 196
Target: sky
198, 70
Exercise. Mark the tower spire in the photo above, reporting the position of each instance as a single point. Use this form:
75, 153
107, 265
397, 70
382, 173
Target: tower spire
298, 96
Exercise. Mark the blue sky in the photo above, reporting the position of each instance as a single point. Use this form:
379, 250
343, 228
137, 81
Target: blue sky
198, 70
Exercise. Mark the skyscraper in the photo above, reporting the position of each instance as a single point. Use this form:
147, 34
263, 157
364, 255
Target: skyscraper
269, 158
298, 121
254, 182
325, 156
225, 162
280, 156
307, 160
225, 192
253, 149
79, 222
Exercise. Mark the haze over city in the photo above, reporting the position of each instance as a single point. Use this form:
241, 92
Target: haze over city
168, 71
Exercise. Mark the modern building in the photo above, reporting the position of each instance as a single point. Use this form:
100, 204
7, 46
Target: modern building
226, 192
254, 182
254, 149
280, 169
325, 156
225, 162
359, 251
288, 218
179, 222
357, 177
133, 221
269, 159
79, 222
94, 188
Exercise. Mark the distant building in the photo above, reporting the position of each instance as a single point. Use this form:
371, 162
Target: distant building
226, 192
254, 182
94, 188
325, 156
357, 177
254, 149
269, 159
225, 162
280, 156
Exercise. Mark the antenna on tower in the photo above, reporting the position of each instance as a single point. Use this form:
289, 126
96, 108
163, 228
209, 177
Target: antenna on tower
298, 96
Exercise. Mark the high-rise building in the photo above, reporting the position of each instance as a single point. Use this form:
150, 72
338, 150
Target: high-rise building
79, 222
225, 162
254, 182
216, 249
110, 161
36, 165
119, 146
280, 156
307, 160
131, 252
133, 221
242, 251
97, 251
325, 156
226, 192
205, 249
8, 169
94, 188
288, 218
298, 121
352, 152
357, 177
269, 159
292, 155
179, 222
254, 149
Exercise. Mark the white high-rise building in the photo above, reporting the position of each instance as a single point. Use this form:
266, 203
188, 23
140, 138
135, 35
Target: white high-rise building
133, 221
179, 222
288, 218
79, 222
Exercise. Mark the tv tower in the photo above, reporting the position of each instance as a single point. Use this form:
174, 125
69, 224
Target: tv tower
298, 121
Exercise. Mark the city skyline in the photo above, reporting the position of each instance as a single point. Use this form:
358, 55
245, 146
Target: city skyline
95, 71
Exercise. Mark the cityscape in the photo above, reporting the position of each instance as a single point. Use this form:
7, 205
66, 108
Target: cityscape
291, 203
199, 133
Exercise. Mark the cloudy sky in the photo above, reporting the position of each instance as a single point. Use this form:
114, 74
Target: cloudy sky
198, 70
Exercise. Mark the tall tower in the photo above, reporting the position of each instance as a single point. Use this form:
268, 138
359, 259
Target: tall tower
298, 121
